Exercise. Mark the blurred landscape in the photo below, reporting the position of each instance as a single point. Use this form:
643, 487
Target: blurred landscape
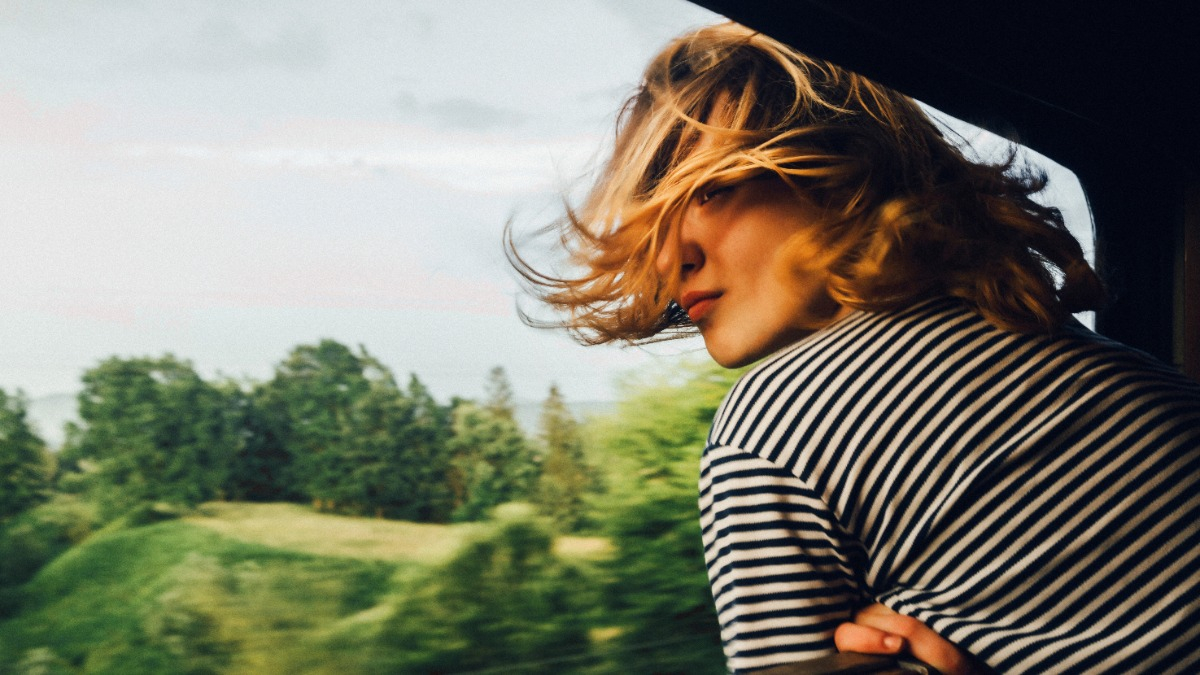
331, 520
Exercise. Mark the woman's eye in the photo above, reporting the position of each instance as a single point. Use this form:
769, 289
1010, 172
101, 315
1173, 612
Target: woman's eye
708, 194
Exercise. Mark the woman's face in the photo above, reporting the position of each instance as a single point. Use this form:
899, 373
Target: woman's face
747, 295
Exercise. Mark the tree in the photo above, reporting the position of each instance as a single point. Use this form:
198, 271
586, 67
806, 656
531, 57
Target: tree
499, 399
308, 405
396, 444
25, 465
427, 436
152, 430
659, 592
565, 477
262, 468
360, 443
492, 461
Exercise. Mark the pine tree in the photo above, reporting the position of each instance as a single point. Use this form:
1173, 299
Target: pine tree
261, 470
499, 399
309, 405
565, 477
25, 465
492, 462
428, 438
398, 450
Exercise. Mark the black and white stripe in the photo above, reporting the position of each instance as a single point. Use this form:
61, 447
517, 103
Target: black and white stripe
1034, 499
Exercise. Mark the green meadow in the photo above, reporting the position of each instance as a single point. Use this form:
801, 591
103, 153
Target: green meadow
182, 594
238, 587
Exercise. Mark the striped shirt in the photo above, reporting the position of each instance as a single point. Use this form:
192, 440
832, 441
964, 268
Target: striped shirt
1033, 499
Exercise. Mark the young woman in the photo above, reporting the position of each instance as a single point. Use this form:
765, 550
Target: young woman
934, 457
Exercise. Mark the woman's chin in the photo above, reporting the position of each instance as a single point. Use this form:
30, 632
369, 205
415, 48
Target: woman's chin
728, 357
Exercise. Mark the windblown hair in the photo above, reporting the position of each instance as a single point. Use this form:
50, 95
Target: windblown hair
908, 215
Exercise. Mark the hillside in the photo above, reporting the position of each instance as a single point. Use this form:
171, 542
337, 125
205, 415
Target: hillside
179, 597
240, 588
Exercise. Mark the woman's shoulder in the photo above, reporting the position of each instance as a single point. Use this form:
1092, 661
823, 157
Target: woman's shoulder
938, 346
859, 336
1107, 363
832, 360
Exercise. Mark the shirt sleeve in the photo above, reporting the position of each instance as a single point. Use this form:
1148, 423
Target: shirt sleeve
782, 572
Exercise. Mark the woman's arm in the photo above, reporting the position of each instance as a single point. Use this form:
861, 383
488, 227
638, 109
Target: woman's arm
783, 575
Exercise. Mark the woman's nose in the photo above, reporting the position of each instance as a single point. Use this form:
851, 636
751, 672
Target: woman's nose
680, 250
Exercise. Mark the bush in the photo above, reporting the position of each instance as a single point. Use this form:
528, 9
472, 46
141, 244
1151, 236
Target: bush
505, 601
39, 535
42, 661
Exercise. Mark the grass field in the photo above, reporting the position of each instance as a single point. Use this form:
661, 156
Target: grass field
176, 597
298, 528
236, 588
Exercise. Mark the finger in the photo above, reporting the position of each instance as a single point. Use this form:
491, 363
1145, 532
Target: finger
923, 642
851, 637
885, 619
878, 613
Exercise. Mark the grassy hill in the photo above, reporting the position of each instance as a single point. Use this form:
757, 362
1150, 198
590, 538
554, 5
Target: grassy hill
178, 597
239, 588
298, 528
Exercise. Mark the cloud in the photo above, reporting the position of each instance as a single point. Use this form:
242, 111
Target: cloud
219, 45
24, 124
473, 162
294, 216
461, 113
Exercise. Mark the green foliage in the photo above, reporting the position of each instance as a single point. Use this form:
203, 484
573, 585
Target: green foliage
39, 535
310, 402
153, 430
661, 424
492, 461
180, 621
357, 443
177, 598
565, 479
396, 447
42, 661
25, 465
147, 596
659, 593
498, 398
261, 469
505, 601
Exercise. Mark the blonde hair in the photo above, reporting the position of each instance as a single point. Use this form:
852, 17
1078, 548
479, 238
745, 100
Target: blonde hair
908, 215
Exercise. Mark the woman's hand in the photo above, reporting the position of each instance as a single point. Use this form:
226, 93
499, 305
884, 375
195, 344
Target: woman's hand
878, 630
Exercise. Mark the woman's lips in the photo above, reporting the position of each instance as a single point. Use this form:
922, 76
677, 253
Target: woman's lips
698, 303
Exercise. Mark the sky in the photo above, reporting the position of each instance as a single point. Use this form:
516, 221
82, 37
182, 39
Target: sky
225, 181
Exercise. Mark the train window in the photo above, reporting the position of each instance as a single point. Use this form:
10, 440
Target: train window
1063, 189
